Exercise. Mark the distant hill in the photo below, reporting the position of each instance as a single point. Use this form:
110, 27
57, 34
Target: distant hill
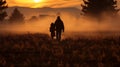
28, 12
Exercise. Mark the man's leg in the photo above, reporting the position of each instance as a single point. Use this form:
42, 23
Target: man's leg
57, 35
60, 35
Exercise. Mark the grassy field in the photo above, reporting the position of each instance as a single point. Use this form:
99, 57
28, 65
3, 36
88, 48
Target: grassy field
38, 50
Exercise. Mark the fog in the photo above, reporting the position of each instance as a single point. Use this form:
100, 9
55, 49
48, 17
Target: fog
72, 23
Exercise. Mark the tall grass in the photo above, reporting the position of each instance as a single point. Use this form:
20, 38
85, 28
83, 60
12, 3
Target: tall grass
38, 50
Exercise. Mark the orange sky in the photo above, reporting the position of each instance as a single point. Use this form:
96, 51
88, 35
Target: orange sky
44, 3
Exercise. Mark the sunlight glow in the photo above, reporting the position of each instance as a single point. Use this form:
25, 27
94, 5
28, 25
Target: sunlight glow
37, 1
44, 3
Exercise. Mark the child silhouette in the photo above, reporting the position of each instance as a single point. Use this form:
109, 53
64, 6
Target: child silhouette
52, 30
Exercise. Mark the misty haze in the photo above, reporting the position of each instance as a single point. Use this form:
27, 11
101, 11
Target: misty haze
62, 33
73, 19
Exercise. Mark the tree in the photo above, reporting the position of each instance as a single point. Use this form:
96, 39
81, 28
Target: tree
97, 7
16, 16
3, 6
33, 18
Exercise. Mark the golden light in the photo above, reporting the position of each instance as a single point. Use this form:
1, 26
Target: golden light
37, 1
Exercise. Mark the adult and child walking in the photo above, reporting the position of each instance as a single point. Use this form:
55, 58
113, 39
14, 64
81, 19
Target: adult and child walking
57, 28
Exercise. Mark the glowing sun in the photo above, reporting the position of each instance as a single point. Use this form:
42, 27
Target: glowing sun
37, 1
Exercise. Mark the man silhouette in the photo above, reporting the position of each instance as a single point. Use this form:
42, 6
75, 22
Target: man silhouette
59, 28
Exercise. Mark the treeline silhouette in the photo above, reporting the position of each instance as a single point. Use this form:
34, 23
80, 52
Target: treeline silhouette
39, 50
94, 8
3, 6
16, 16
97, 7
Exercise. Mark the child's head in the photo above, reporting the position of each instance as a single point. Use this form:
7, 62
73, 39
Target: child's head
52, 24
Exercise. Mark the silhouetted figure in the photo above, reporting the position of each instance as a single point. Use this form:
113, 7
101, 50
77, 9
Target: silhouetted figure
59, 26
52, 30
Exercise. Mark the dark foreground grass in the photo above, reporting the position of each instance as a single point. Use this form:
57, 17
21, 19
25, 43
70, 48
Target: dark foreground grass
38, 50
